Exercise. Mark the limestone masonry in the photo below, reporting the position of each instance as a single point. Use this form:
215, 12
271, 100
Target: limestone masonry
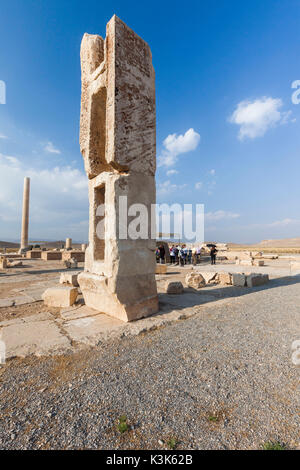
25, 215
117, 140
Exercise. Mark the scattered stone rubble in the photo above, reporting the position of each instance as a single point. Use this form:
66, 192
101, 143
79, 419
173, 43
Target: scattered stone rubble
230, 279
7, 263
71, 263
174, 287
61, 296
3, 262
69, 278
195, 280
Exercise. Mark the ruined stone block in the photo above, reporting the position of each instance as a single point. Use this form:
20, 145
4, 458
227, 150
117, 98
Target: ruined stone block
245, 262
69, 278
71, 263
255, 280
78, 255
61, 296
258, 262
225, 278
238, 279
195, 280
270, 256
174, 287
208, 276
14, 264
51, 255
3, 262
34, 254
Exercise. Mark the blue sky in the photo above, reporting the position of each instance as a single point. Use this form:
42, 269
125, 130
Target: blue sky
224, 71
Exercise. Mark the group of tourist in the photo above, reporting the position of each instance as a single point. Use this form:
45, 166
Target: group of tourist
181, 255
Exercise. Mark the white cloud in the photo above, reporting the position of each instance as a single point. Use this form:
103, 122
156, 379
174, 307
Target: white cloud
13, 161
175, 145
50, 148
212, 172
256, 117
284, 222
2, 136
199, 185
167, 187
58, 200
221, 215
172, 172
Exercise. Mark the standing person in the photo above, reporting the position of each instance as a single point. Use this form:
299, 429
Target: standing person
213, 254
176, 251
162, 254
194, 256
198, 254
172, 254
185, 254
181, 256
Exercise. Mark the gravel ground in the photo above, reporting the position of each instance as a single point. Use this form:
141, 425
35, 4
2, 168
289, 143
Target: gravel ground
222, 379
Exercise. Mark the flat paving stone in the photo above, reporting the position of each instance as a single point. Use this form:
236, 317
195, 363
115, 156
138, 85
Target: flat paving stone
33, 337
81, 311
6, 303
87, 330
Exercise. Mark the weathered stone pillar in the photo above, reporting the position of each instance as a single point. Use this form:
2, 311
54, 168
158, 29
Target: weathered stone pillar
83, 246
25, 214
117, 140
68, 243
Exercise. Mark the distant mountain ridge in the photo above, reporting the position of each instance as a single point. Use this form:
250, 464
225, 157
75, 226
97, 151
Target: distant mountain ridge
281, 243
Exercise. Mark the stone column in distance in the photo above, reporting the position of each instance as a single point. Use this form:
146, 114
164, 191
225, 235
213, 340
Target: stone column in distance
25, 214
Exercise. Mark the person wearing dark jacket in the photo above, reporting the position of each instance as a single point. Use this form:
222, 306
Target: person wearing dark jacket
162, 254
213, 254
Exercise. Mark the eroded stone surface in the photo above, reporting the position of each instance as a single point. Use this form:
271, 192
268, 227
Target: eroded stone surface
117, 141
3, 262
225, 278
238, 279
37, 335
254, 280
195, 280
51, 255
258, 262
61, 296
69, 278
208, 276
174, 287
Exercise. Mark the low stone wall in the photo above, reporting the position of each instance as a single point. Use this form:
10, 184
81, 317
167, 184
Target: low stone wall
78, 255
51, 255
34, 254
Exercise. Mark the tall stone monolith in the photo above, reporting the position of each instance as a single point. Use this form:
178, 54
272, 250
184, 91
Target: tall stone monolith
25, 215
117, 140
